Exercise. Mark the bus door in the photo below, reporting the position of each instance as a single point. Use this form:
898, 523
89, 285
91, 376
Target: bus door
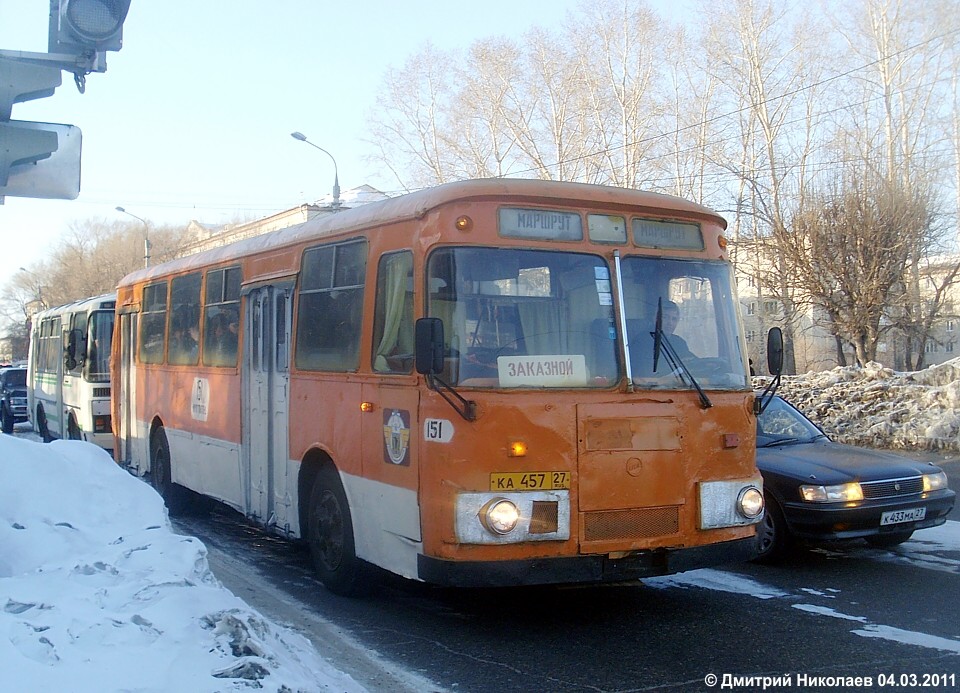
127, 433
267, 392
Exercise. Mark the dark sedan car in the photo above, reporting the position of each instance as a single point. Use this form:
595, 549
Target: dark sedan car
819, 490
13, 397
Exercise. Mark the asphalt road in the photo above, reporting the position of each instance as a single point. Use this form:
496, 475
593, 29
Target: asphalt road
844, 612
828, 619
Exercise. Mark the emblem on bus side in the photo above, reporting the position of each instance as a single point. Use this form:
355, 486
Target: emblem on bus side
200, 399
396, 436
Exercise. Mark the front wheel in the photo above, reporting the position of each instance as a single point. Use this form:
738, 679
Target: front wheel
42, 428
888, 541
330, 534
773, 537
73, 429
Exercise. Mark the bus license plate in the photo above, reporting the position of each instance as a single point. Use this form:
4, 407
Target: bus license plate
529, 481
895, 517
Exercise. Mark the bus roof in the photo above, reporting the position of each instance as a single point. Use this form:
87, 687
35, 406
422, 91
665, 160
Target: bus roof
91, 303
416, 204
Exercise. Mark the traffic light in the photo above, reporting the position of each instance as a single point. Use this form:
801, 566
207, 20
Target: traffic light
43, 159
80, 26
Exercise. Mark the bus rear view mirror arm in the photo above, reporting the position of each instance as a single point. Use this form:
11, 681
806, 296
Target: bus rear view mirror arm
428, 358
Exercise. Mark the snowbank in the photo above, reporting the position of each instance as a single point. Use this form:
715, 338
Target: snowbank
878, 407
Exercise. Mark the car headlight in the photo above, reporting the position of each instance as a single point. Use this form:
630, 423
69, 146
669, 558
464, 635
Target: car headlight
841, 493
750, 502
934, 482
499, 516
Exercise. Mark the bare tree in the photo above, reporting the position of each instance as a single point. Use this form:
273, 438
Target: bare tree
851, 250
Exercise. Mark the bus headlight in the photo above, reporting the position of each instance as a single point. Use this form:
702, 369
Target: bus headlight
750, 502
499, 516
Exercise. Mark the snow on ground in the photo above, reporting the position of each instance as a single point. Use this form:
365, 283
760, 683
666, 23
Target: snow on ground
876, 407
97, 593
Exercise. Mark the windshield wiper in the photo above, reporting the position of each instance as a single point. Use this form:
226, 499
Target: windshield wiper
662, 344
780, 441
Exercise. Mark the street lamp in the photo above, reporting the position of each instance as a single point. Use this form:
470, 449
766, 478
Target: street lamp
43, 304
335, 205
146, 235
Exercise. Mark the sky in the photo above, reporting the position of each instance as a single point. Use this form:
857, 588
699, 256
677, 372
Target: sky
192, 118
98, 592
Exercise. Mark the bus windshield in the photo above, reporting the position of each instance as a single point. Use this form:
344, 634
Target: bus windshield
516, 318
524, 318
699, 337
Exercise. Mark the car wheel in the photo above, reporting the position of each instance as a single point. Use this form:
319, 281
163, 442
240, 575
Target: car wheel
6, 420
887, 541
161, 475
773, 536
330, 535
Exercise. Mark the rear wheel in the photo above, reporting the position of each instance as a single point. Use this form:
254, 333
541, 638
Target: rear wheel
6, 419
161, 473
887, 541
330, 534
773, 536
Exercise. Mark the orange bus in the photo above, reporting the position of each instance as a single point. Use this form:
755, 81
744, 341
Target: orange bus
477, 384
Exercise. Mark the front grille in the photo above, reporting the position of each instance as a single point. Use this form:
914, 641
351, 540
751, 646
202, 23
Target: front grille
544, 517
641, 523
101, 392
891, 488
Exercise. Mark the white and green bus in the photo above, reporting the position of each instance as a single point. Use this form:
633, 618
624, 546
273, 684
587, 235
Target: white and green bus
68, 374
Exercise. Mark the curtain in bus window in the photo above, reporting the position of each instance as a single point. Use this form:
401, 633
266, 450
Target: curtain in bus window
221, 317
153, 322
393, 320
184, 328
330, 308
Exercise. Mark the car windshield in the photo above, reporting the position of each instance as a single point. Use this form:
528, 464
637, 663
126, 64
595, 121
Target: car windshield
16, 377
781, 424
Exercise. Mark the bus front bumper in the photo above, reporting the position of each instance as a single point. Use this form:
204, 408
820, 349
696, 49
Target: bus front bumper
582, 569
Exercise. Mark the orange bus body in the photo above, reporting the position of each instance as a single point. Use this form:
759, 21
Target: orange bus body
609, 478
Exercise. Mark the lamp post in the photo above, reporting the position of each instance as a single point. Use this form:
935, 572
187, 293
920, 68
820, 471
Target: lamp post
146, 234
335, 205
43, 304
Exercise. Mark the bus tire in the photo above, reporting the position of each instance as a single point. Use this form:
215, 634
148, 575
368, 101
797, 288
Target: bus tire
6, 419
330, 536
42, 427
73, 430
161, 475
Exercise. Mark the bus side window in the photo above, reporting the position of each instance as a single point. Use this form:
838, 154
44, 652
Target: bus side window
221, 317
184, 328
393, 319
153, 323
330, 307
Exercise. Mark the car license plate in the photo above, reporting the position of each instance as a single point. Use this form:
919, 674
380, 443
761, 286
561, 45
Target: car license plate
529, 481
895, 517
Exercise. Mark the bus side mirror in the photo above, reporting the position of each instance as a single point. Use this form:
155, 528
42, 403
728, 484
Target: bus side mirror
775, 351
428, 337
74, 351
